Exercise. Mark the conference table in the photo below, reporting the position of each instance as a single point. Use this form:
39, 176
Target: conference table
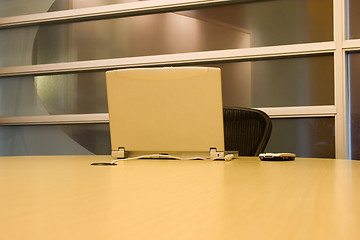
64, 197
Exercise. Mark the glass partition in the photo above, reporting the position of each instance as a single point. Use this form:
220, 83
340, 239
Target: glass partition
284, 82
300, 81
353, 74
76, 93
244, 25
277, 82
78, 139
22, 7
306, 137
353, 18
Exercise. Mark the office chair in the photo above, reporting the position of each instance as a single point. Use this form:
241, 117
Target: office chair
246, 130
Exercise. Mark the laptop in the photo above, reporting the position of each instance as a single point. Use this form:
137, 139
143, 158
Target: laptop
170, 111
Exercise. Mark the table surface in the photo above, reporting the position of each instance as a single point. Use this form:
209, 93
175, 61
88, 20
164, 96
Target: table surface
64, 197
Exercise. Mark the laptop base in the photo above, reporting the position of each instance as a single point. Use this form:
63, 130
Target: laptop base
212, 154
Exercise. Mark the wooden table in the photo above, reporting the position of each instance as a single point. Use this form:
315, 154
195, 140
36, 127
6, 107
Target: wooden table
63, 197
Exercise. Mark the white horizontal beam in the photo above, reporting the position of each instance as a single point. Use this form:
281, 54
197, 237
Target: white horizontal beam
55, 119
276, 112
349, 45
174, 59
296, 112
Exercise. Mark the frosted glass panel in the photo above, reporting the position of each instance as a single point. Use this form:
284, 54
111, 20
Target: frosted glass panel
72, 93
353, 10
22, 7
18, 97
306, 137
244, 25
276, 22
306, 81
354, 104
132, 37
95, 138
80, 139
53, 94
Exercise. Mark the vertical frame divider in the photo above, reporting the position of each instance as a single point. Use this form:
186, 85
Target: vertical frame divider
341, 136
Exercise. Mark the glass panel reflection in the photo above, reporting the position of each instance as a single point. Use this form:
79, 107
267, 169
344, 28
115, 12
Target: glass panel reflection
306, 81
354, 104
80, 139
93, 137
78, 93
22, 7
73, 93
306, 137
250, 24
353, 18
133, 37
18, 97
275, 22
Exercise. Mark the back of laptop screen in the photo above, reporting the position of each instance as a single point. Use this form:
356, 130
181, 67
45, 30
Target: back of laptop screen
162, 110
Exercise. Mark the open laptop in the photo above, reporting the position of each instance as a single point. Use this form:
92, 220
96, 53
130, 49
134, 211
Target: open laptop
174, 111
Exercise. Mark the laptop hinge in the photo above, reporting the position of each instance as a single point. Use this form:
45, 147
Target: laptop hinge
120, 153
214, 154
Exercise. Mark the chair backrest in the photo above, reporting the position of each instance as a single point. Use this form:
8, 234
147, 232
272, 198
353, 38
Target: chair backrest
246, 130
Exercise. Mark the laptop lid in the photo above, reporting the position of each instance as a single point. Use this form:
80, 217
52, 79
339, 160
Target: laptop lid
176, 110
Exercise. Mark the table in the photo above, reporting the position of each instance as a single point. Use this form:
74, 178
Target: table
64, 197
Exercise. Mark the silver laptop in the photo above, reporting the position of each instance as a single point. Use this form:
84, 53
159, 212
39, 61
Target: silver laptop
175, 111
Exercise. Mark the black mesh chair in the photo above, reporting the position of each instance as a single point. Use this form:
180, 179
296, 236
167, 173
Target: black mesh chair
246, 130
